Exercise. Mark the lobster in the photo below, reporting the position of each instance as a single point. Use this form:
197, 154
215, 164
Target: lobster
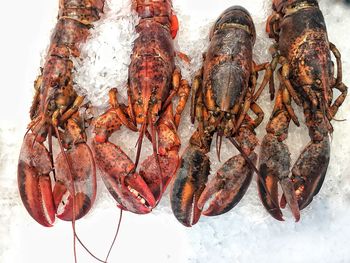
65, 186
306, 76
223, 92
152, 84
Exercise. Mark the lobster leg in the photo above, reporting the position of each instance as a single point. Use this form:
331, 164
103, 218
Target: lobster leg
339, 101
268, 78
36, 100
339, 85
183, 94
337, 55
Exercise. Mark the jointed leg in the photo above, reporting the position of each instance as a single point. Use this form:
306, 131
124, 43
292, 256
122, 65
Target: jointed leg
284, 79
196, 90
115, 106
339, 101
272, 26
287, 103
337, 55
76, 104
242, 114
175, 87
311, 94
183, 93
258, 112
268, 77
36, 100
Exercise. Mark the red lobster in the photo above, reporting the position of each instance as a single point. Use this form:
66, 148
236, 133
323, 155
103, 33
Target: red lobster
306, 76
223, 93
152, 84
54, 112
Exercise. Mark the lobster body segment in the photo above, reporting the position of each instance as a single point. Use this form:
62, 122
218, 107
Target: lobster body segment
307, 76
223, 93
152, 84
64, 186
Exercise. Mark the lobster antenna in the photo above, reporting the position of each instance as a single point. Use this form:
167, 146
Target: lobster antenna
81, 243
73, 190
32, 126
218, 144
87, 250
116, 234
51, 152
155, 154
252, 165
219, 135
139, 144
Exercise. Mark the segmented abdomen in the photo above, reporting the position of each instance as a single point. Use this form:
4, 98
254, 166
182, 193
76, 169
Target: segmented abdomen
72, 29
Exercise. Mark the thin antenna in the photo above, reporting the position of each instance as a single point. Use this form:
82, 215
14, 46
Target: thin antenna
73, 190
116, 234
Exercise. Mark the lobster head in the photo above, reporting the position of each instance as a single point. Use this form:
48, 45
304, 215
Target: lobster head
235, 15
280, 5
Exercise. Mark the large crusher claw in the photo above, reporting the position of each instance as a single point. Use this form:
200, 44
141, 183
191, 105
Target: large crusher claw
35, 176
124, 184
309, 171
228, 186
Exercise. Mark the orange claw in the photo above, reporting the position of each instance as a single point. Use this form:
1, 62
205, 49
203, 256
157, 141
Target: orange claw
35, 177
84, 173
127, 187
34, 167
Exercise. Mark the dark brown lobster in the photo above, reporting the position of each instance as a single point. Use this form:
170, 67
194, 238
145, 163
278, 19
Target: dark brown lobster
223, 93
153, 82
62, 185
306, 76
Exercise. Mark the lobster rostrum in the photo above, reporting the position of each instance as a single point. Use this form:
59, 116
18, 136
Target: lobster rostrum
153, 82
64, 186
222, 94
306, 76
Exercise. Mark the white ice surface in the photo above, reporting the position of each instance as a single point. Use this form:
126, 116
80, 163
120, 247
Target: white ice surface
246, 234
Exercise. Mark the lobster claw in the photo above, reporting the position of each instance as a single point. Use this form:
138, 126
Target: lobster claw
84, 175
274, 168
189, 184
126, 186
34, 184
309, 171
44, 203
229, 186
